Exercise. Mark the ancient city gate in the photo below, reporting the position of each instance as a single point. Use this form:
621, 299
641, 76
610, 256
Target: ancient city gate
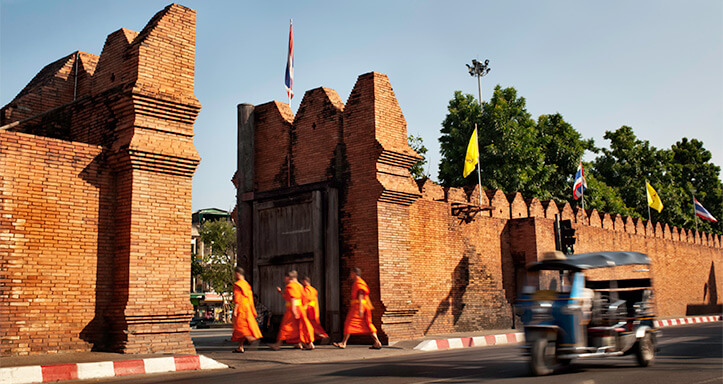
297, 230
292, 228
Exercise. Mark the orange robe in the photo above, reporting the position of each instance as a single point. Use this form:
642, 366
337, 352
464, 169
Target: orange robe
244, 312
355, 324
311, 300
295, 330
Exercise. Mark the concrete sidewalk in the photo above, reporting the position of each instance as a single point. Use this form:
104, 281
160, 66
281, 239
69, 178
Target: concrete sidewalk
215, 352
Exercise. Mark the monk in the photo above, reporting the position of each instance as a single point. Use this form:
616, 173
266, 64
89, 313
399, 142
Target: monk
245, 327
359, 319
295, 326
311, 300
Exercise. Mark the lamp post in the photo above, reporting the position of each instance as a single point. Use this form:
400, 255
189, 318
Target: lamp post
478, 69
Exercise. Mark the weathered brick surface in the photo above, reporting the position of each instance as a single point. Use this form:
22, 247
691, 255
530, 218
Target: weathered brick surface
55, 254
429, 270
96, 197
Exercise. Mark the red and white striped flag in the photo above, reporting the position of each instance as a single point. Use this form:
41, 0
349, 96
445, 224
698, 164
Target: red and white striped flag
701, 212
289, 82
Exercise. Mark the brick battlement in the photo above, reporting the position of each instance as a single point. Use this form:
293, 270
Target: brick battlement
514, 206
95, 189
431, 265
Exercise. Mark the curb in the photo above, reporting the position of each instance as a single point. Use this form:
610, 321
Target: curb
103, 369
465, 342
686, 320
512, 338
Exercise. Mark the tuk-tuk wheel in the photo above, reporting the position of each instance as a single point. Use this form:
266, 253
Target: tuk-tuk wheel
542, 359
645, 350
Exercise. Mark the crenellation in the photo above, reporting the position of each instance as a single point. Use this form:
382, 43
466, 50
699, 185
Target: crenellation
639, 226
666, 232
607, 222
535, 208
518, 207
431, 190
550, 209
566, 212
499, 203
629, 224
658, 230
453, 194
594, 219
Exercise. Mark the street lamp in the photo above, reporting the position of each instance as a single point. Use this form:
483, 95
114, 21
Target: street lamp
478, 69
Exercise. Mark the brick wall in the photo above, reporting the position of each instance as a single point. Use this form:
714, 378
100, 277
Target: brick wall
97, 197
55, 255
430, 268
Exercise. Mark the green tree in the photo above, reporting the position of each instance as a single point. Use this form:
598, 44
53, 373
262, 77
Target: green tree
628, 163
463, 112
604, 198
219, 262
417, 170
694, 174
510, 156
563, 147
510, 152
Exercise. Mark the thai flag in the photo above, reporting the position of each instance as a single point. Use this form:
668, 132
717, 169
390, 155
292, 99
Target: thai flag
580, 184
702, 212
289, 82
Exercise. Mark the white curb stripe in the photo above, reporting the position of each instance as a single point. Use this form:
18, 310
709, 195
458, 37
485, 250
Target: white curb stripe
207, 363
95, 370
455, 343
520, 337
160, 364
426, 345
479, 341
18, 375
500, 339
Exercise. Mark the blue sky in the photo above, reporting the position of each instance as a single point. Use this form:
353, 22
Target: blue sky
654, 65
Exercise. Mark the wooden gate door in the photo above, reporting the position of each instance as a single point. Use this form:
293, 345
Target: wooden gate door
297, 233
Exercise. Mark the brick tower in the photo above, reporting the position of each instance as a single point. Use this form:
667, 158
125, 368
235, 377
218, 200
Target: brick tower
122, 124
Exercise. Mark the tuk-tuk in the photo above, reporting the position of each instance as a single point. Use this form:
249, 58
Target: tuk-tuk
584, 318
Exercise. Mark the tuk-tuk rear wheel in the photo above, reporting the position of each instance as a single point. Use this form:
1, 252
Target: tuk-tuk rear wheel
645, 350
542, 357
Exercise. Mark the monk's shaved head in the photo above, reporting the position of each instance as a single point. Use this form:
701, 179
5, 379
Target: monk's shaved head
292, 274
356, 271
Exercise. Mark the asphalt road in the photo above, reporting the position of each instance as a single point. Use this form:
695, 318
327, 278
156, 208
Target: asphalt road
690, 354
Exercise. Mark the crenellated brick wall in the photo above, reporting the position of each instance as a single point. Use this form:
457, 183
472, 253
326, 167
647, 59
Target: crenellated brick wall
430, 267
96, 197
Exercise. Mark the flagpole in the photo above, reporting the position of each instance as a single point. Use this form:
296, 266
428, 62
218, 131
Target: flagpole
646, 199
582, 197
695, 217
582, 193
291, 25
479, 172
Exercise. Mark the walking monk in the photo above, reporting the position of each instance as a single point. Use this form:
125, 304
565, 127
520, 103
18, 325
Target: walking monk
359, 319
295, 326
245, 327
311, 300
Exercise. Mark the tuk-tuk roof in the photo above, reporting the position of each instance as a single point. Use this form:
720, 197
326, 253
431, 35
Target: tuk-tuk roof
591, 260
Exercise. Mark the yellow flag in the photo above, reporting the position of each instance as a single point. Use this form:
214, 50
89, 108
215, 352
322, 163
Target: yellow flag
653, 198
472, 154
